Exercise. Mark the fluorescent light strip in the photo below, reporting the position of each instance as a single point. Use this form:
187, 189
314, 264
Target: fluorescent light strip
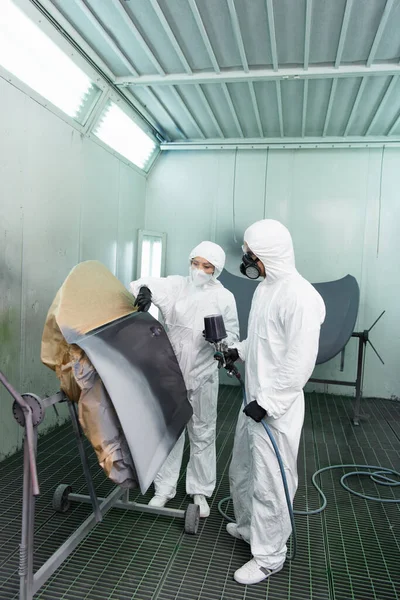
116, 129
36, 60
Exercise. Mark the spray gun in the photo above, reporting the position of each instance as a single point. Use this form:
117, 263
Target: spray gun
215, 333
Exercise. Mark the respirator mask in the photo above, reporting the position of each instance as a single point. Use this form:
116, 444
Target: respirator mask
249, 266
199, 277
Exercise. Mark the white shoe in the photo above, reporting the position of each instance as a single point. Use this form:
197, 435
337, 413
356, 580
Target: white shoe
251, 573
232, 529
202, 502
158, 501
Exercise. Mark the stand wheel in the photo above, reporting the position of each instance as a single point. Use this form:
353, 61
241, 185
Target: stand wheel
192, 518
61, 503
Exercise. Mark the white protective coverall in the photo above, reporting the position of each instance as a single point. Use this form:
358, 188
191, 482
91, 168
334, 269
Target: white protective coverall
280, 353
184, 303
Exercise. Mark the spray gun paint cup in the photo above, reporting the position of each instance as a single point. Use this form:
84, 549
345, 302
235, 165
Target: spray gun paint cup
214, 328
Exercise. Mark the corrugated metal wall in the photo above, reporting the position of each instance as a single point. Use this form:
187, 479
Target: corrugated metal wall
63, 199
342, 214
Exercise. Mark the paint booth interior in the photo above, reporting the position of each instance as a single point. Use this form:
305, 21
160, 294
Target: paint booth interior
130, 132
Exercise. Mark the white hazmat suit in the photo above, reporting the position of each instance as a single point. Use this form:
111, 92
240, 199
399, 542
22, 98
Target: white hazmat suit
280, 353
184, 302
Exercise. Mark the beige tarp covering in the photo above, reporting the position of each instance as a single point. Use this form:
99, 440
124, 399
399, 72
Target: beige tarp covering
89, 298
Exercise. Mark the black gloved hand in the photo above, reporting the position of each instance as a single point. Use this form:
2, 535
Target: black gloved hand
254, 411
227, 358
143, 299
230, 356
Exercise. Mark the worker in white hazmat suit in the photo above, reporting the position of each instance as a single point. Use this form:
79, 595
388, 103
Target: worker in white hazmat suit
184, 302
280, 353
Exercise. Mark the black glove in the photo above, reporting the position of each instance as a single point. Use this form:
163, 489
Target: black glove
143, 299
254, 411
230, 356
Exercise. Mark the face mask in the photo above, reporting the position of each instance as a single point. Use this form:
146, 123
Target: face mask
249, 266
198, 277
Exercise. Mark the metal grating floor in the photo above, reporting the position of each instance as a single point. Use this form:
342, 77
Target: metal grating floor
350, 552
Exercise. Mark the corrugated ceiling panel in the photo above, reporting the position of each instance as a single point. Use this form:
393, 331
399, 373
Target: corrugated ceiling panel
168, 122
345, 96
389, 110
290, 30
396, 125
241, 98
215, 15
389, 46
373, 93
74, 15
255, 32
292, 101
220, 107
109, 15
318, 99
168, 95
183, 25
326, 25
193, 100
154, 33
267, 102
364, 22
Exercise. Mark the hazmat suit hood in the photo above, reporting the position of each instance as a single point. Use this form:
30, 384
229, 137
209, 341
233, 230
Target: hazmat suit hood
211, 252
272, 243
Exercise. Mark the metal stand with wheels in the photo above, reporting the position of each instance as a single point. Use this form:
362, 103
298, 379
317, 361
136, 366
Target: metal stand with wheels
29, 411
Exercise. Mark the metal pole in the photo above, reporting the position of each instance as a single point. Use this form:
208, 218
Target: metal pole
333, 382
342, 355
88, 476
31, 507
357, 405
135, 506
28, 522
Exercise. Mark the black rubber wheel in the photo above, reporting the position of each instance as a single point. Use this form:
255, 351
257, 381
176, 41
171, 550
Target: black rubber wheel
192, 519
61, 503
